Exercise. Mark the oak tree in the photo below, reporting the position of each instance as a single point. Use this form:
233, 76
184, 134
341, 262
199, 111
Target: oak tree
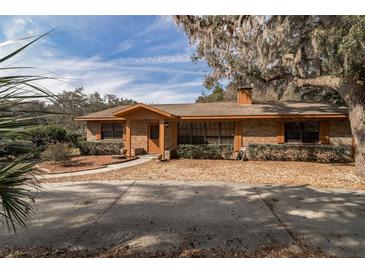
291, 52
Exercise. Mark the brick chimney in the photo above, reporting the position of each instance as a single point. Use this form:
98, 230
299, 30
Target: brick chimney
244, 96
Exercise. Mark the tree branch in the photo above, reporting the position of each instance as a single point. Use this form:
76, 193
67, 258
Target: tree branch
321, 81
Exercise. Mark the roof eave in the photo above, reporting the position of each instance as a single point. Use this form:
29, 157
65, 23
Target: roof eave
267, 116
99, 119
144, 106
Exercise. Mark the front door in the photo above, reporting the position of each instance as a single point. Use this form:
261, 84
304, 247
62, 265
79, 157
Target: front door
154, 138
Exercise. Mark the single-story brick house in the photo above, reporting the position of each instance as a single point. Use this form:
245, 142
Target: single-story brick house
159, 127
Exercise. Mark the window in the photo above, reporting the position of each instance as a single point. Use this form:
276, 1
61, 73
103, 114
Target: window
154, 132
205, 132
213, 134
111, 131
302, 132
227, 132
184, 133
198, 133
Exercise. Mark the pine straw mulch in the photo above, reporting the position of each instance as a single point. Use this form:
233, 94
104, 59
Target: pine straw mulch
78, 163
334, 176
273, 251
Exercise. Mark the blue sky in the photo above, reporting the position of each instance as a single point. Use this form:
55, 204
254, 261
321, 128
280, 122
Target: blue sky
146, 58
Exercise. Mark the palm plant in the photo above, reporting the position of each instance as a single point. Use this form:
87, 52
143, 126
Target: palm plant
17, 178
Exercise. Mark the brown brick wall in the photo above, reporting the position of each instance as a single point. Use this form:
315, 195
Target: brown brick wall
168, 136
253, 131
92, 128
139, 132
259, 132
340, 134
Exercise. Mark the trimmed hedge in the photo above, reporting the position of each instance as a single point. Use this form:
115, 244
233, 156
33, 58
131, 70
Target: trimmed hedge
44, 135
73, 139
100, 148
204, 151
297, 152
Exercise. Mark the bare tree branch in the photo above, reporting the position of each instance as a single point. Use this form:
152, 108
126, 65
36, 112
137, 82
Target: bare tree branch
321, 81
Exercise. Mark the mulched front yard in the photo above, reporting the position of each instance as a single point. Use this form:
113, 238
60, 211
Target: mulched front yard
78, 163
272, 251
338, 176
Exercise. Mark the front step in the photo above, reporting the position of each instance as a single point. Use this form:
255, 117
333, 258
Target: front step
148, 156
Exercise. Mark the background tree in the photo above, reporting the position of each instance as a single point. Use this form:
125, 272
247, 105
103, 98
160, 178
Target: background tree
217, 95
288, 54
75, 103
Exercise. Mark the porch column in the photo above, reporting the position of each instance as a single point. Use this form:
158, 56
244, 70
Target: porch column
98, 132
280, 132
162, 139
174, 134
237, 136
324, 132
128, 139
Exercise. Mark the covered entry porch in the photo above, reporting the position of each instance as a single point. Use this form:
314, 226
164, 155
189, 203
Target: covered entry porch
148, 130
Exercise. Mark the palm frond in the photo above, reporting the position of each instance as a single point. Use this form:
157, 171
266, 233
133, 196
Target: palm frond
16, 183
16, 176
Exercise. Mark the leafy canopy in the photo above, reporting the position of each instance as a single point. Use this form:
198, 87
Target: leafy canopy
265, 49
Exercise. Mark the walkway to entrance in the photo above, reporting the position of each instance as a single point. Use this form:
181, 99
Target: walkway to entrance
141, 159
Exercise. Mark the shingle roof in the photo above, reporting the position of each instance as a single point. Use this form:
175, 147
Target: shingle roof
233, 109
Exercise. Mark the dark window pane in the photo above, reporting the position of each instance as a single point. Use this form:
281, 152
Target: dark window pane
310, 133
111, 131
198, 132
227, 140
184, 133
212, 136
183, 139
154, 132
227, 129
106, 131
198, 140
293, 132
302, 132
117, 131
212, 140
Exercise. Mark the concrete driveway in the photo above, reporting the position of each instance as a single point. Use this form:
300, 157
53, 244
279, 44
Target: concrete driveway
150, 215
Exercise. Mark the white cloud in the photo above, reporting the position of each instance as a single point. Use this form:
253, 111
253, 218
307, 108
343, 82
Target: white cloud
162, 22
163, 93
115, 76
161, 59
130, 77
18, 27
124, 46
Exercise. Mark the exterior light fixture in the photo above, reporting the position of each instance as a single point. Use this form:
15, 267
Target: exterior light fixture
166, 124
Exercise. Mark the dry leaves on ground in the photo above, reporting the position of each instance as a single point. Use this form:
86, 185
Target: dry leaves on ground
81, 163
337, 176
274, 251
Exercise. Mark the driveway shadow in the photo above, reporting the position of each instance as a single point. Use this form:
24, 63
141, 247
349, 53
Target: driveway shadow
152, 216
326, 219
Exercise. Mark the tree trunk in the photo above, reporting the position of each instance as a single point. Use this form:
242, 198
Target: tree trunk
357, 121
353, 92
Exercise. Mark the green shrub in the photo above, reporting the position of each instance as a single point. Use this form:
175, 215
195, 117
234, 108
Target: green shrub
44, 135
15, 136
298, 152
15, 148
73, 139
57, 153
81, 139
100, 148
204, 151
